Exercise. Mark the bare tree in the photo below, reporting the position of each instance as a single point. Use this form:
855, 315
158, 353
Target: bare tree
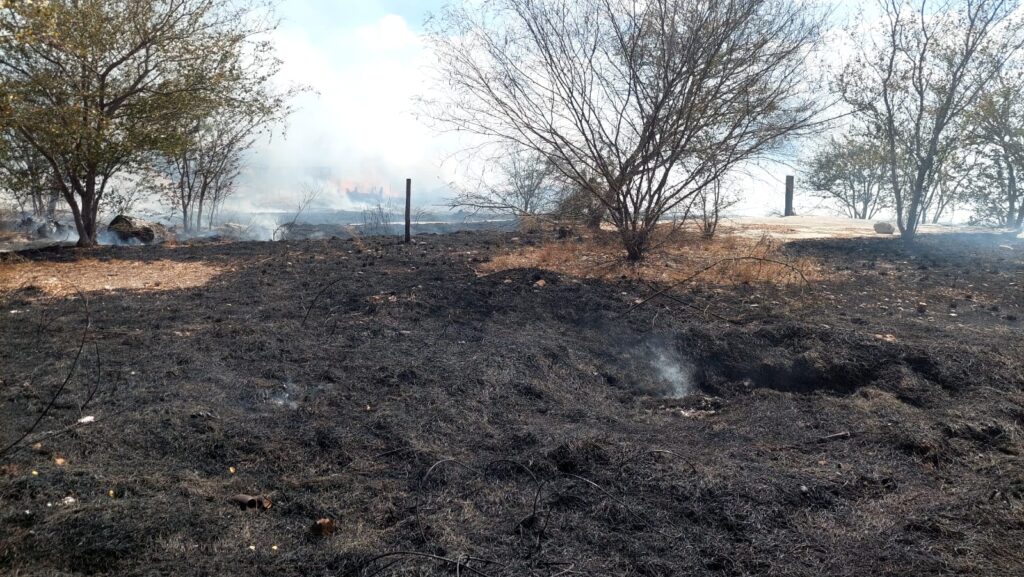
916, 76
524, 185
581, 205
203, 169
850, 172
310, 193
377, 219
953, 176
997, 135
202, 172
710, 203
655, 99
126, 191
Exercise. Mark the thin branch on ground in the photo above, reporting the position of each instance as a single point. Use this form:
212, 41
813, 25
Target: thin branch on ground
67, 379
319, 294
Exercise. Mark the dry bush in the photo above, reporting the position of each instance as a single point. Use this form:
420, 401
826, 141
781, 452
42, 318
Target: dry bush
679, 255
377, 219
530, 224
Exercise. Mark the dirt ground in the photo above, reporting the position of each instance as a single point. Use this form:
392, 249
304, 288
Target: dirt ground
453, 416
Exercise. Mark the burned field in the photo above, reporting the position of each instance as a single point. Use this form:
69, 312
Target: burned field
451, 418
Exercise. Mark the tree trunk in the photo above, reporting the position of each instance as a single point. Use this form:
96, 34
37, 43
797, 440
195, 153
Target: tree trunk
908, 230
185, 213
37, 204
202, 200
85, 208
636, 242
51, 204
90, 212
1011, 193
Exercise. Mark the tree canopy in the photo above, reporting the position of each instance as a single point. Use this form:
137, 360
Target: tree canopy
99, 86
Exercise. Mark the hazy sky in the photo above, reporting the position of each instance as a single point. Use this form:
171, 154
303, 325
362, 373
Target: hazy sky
366, 61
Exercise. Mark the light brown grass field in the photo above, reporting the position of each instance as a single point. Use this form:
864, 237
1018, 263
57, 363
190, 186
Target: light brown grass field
91, 275
727, 259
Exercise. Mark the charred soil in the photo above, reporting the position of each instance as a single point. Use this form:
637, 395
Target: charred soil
449, 421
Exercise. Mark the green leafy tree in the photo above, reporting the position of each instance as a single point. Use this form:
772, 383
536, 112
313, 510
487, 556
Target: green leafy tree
98, 86
920, 67
850, 172
26, 178
997, 132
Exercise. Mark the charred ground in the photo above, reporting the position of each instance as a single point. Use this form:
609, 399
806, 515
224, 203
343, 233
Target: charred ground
459, 423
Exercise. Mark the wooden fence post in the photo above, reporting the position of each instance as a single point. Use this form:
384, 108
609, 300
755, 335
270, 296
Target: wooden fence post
408, 210
790, 186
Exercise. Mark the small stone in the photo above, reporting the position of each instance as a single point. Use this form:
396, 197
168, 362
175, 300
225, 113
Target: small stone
323, 527
884, 228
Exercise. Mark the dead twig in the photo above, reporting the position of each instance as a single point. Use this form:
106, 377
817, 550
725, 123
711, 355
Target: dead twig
67, 379
705, 311
96, 385
46, 435
312, 303
834, 437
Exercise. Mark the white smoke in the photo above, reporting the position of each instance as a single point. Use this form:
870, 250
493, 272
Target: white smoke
356, 130
675, 370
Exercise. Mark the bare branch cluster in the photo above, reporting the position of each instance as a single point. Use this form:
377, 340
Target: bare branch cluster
651, 101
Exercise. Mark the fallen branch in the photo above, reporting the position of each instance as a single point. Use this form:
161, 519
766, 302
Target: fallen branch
834, 437
312, 304
705, 311
47, 435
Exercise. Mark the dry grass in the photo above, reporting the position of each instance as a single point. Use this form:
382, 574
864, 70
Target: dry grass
91, 275
677, 256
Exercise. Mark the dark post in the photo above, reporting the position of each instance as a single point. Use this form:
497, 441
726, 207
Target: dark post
408, 210
790, 185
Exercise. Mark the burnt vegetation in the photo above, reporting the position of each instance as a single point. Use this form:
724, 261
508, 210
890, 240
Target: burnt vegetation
632, 383
430, 418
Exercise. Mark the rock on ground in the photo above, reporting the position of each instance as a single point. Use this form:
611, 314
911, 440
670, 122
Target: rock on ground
129, 228
884, 228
